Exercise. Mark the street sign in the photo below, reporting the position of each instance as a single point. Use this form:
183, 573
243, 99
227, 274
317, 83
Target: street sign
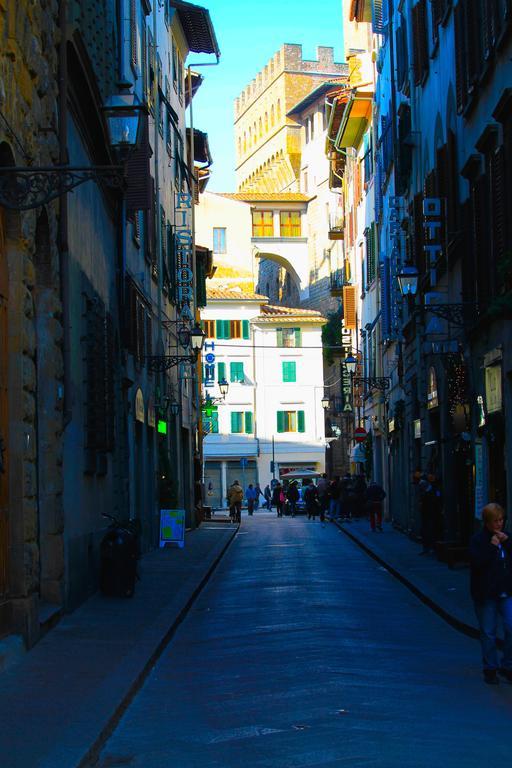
360, 434
243, 462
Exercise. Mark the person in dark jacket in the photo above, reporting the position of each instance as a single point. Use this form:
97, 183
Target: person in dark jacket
293, 496
347, 497
430, 511
490, 553
311, 500
375, 495
278, 499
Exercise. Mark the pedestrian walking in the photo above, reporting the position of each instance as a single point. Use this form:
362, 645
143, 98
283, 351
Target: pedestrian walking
267, 495
311, 499
323, 495
430, 512
359, 492
235, 498
293, 496
251, 497
347, 498
375, 495
259, 493
278, 499
334, 498
490, 553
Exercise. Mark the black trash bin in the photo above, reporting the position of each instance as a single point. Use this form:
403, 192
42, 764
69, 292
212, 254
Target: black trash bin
119, 554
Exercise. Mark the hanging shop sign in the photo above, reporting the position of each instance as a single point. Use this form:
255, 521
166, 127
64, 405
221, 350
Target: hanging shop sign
432, 396
346, 378
184, 254
209, 364
433, 229
493, 393
139, 406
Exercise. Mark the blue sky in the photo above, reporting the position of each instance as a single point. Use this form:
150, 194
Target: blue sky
249, 33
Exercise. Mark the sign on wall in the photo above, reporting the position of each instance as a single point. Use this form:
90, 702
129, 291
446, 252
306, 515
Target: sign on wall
172, 527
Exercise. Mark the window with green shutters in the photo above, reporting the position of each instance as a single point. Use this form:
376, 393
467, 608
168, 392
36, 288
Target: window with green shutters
291, 421
289, 371
237, 423
241, 421
289, 337
236, 373
222, 329
221, 371
246, 331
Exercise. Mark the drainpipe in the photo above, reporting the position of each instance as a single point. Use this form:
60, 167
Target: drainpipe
63, 233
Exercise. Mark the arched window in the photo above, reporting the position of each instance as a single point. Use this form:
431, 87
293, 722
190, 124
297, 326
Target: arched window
266, 122
245, 142
255, 135
260, 128
239, 146
272, 116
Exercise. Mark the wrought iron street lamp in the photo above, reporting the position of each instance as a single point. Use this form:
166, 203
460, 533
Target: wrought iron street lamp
408, 280
326, 401
381, 383
223, 387
350, 364
23, 188
162, 363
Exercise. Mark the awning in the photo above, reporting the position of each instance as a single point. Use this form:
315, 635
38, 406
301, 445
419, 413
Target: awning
197, 26
355, 120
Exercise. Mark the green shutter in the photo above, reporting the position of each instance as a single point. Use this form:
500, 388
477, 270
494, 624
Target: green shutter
280, 421
298, 337
301, 421
248, 422
227, 329
289, 371
221, 371
236, 372
279, 334
236, 422
215, 423
246, 334
219, 329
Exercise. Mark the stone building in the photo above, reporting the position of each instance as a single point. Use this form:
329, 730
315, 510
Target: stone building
31, 364
90, 300
267, 138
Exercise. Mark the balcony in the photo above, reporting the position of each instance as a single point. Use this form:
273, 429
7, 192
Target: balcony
336, 229
338, 280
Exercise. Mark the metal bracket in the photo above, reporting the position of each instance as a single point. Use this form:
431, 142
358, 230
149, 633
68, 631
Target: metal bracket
162, 363
23, 189
382, 383
455, 314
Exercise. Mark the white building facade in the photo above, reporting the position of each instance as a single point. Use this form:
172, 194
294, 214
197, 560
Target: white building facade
271, 420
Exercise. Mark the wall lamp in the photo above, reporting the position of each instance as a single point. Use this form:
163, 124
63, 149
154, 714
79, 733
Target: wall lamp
24, 188
162, 363
382, 383
455, 314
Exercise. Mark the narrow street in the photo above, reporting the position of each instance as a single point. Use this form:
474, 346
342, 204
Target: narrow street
302, 651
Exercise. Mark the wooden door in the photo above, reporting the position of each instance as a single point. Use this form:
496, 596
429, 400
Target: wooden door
4, 418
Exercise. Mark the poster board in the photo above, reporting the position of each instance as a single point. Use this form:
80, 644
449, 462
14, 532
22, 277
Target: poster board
172, 527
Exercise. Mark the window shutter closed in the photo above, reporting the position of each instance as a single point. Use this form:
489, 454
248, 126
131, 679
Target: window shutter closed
221, 371
279, 336
248, 422
219, 329
301, 421
234, 421
227, 326
280, 421
349, 307
298, 337
138, 178
245, 329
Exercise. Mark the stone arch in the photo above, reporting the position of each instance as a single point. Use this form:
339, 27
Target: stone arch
284, 263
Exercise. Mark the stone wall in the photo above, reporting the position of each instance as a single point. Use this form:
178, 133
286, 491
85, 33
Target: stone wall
28, 135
